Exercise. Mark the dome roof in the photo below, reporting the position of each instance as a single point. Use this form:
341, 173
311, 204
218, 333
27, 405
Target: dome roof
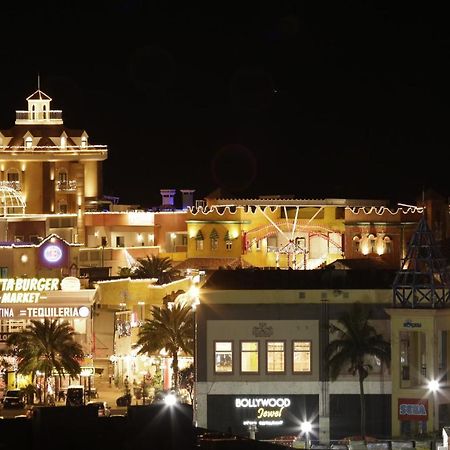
11, 200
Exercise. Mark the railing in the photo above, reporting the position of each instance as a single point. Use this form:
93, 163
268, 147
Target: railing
39, 115
12, 184
70, 185
41, 149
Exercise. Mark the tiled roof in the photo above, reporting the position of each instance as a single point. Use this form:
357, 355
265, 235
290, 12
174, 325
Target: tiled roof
19, 131
300, 279
38, 95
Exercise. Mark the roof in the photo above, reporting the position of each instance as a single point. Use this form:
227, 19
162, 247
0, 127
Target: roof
257, 279
360, 264
210, 263
19, 131
38, 95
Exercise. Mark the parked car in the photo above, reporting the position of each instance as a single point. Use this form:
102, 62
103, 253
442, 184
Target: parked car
14, 399
75, 396
124, 400
104, 409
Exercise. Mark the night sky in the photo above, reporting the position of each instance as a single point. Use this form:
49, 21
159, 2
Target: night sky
310, 99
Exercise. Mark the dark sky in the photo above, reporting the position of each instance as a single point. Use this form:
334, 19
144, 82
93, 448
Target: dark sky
313, 99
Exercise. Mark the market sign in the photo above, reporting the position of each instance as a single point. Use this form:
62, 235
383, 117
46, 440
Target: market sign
41, 312
414, 409
25, 290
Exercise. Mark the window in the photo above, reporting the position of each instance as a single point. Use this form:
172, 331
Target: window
63, 208
63, 142
250, 357
28, 142
228, 245
275, 357
223, 357
214, 237
3, 272
33, 112
13, 175
301, 358
120, 241
199, 240
84, 141
44, 111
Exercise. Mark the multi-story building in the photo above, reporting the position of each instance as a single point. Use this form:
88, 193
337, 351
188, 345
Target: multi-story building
262, 335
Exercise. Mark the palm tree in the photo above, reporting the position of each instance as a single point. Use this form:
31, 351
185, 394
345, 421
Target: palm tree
172, 329
46, 347
155, 267
356, 341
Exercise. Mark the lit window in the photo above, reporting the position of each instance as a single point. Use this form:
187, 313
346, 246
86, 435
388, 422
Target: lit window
214, 237
63, 141
228, 245
302, 356
84, 141
28, 142
199, 244
249, 357
223, 357
275, 357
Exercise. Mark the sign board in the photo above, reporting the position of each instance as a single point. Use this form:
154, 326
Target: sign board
87, 371
413, 409
41, 312
25, 290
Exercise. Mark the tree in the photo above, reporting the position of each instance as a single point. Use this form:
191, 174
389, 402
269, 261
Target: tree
187, 381
172, 329
155, 267
47, 346
356, 340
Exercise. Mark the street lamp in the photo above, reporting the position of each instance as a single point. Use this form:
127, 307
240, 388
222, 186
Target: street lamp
306, 428
433, 386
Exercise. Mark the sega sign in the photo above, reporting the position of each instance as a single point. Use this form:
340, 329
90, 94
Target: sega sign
415, 409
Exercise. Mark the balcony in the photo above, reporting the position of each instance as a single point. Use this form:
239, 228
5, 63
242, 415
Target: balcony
53, 117
53, 152
66, 186
12, 184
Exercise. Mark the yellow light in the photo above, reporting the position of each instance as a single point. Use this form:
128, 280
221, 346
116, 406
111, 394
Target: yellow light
24, 166
24, 258
173, 235
139, 237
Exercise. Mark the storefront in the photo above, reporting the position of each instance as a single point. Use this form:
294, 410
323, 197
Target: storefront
26, 299
273, 415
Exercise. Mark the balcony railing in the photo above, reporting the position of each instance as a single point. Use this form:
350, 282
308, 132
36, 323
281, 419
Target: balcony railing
46, 151
70, 185
39, 116
12, 184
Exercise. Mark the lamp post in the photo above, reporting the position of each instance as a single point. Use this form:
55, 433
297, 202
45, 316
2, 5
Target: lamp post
195, 302
306, 428
433, 386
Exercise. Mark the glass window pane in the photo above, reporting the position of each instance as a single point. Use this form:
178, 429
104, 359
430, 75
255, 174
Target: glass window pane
249, 357
223, 357
275, 357
302, 356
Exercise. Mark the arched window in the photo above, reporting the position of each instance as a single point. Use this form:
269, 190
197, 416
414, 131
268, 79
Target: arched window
388, 244
44, 111
199, 241
214, 238
33, 112
356, 241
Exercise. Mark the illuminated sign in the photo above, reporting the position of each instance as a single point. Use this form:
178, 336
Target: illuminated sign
25, 290
87, 371
269, 411
40, 312
53, 254
70, 284
414, 409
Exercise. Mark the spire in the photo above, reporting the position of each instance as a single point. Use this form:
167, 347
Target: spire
423, 280
39, 82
